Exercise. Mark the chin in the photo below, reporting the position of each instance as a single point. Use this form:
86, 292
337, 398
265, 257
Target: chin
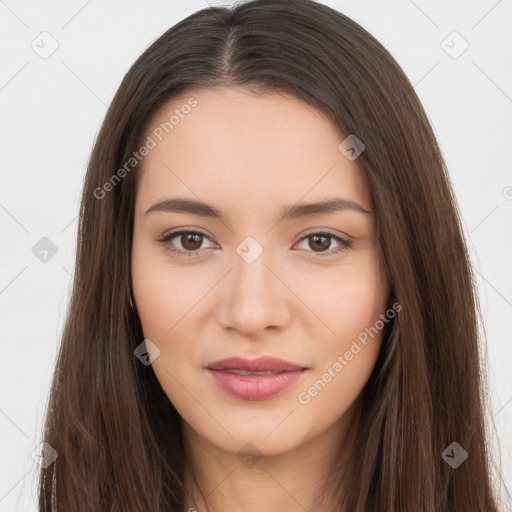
254, 435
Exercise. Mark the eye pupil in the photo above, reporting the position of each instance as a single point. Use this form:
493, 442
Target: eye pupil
189, 237
323, 245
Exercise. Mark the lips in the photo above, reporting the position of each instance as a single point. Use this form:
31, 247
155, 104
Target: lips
262, 364
254, 379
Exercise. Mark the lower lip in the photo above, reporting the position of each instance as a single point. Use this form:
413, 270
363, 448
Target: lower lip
255, 387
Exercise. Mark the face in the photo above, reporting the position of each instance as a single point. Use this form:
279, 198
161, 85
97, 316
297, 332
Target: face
254, 272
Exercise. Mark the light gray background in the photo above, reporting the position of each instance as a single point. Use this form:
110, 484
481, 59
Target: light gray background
51, 110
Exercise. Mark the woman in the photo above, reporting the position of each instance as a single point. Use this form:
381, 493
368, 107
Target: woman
273, 306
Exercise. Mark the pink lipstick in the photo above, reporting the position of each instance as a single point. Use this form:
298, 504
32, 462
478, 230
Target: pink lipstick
254, 379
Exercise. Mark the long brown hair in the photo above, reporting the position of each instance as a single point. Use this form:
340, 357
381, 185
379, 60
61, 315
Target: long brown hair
118, 436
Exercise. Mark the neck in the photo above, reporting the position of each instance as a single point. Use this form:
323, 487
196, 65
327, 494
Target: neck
292, 481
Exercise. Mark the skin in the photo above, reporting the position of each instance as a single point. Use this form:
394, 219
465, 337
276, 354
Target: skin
250, 155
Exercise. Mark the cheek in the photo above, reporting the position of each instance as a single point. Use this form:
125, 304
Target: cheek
351, 305
167, 301
350, 300
165, 296
162, 302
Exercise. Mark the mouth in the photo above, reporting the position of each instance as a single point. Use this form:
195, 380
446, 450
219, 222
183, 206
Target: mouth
255, 379
243, 372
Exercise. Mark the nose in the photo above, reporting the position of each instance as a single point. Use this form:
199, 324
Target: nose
254, 296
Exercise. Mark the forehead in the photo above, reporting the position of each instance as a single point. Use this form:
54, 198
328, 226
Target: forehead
232, 144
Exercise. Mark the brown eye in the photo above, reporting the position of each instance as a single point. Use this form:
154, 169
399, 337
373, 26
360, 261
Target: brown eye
191, 241
187, 243
320, 243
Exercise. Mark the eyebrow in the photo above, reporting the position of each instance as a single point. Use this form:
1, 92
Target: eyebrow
184, 205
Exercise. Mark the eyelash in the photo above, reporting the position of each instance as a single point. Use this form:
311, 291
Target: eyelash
164, 241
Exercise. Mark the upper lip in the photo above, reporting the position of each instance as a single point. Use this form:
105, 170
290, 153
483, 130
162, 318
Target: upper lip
261, 364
